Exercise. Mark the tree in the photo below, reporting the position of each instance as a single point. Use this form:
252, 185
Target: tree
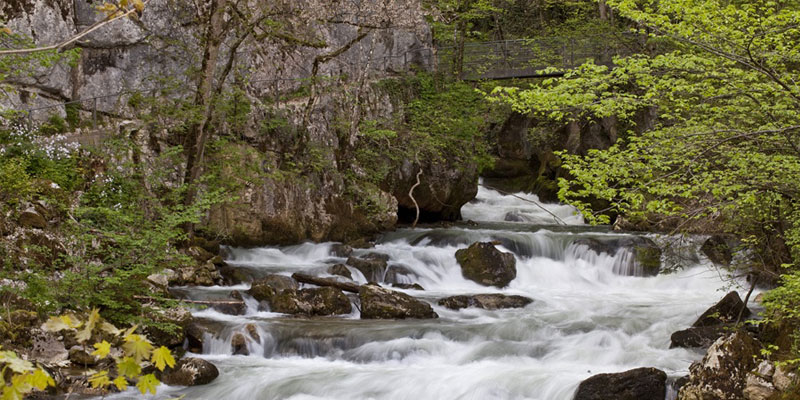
725, 151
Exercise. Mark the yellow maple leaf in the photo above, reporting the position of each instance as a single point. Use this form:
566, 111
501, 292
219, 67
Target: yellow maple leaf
99, 379
148, 383
129, 367
162, 357
138, 5
6, 30
103, 348
121, 383
138, 347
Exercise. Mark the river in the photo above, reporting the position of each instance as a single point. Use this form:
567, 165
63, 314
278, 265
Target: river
586, 318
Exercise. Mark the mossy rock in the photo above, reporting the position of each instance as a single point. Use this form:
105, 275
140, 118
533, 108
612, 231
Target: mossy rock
483, 263
380, 303
311, 302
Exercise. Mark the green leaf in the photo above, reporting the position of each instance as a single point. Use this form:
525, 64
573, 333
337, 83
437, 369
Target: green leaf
129, 367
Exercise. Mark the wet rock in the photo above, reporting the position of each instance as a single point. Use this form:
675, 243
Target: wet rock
717, 250
380, 303
79, 356
635, 384
311, 302
646, 260
239, 345
680, 382
341, 250
721, 374
725, 311
758, 384
483, 263
493, 301
190, 372
341, 270
372, 265
414, 286
235, 275
252, 330
702, 336
265, 288
196, 334
397, 273
30, 218
513, 216
443, 189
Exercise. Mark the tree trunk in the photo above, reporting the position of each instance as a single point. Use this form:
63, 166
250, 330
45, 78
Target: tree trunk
204, 99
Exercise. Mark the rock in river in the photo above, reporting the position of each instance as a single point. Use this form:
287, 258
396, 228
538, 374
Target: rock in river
380, 303
483, 263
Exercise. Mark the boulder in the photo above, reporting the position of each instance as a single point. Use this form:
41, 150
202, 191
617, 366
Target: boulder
372, 265
199, 254
758, 384
380, 303
646, 260
725, 311
412, 286
443, 189
493, 301
234, 275
783, 378
721, 374
170, 330
635, 384
196, 336
30, 218
311, 302
190, 372
483, 263
698, 336
265, 288
717, 250
239, 345
205, 274
252, 331
341, 270
341, 250
397, 273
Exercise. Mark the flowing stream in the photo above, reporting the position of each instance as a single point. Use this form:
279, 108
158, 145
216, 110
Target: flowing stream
586, 318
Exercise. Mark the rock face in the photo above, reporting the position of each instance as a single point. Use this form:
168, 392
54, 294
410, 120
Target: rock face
492, 301
722, 372
315, 203
380, 303
646, 260
190, 372
441, 192
635, 384
483, 263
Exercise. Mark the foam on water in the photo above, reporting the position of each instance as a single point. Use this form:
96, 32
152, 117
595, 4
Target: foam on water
587, 317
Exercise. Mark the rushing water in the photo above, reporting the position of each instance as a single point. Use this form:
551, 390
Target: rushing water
586, 318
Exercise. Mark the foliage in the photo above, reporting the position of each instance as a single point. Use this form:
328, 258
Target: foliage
725, 145
19, 377
136, 351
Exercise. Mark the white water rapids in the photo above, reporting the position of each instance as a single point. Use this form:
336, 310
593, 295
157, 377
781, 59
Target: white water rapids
584, 320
